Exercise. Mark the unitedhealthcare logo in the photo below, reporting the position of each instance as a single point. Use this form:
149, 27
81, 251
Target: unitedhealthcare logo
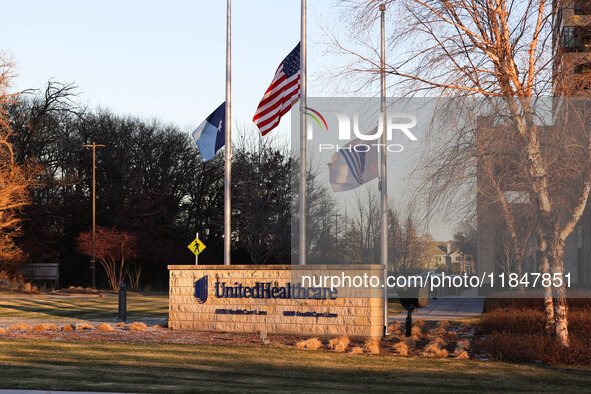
201, 289
262, 290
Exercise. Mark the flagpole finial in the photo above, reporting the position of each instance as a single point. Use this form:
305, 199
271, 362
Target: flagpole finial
383, 7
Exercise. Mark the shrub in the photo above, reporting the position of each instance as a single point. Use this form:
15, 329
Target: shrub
20, 326
339, 344
444, 324
104, 327
67, 327
514, 331
401, 349
410, 342
435, 348
416, 333
138, 326
463, 344
438, 331
356, 350
84, 326
309, 344
3, 331
372, 346
462, 355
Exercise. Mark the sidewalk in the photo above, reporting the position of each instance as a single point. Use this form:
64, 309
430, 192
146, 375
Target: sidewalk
446, 309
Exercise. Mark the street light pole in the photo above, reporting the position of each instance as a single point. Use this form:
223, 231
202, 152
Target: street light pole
93, 261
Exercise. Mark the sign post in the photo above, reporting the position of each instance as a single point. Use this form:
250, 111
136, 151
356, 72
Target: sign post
196, 247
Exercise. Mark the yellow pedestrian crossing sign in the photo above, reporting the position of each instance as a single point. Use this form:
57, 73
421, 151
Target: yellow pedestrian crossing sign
196, 246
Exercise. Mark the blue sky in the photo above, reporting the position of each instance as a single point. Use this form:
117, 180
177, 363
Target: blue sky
154, 58
166, 60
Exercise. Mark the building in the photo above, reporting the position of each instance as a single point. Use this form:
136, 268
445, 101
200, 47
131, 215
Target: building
441, 255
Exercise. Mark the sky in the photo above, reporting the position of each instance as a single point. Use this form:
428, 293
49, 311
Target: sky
166, 60
154, 58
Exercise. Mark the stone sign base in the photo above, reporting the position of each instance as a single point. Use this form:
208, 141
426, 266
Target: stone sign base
246, 298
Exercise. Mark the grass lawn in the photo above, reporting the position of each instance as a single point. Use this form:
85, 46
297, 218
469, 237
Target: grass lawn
52, 308
67, 308
152, 367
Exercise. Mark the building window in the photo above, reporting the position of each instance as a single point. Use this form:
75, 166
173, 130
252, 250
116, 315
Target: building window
583, 76
457, 258
576, 38
582, 7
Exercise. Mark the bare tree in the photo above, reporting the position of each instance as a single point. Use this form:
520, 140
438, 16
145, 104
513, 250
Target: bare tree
113, 248
500, 49
15, 179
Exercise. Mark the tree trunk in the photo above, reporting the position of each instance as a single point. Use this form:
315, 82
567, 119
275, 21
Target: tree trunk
545, 268
560, 306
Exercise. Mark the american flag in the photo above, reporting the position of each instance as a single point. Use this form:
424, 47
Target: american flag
281, 95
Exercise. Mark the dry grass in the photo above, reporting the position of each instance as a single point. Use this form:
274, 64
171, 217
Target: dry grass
372, 346
435, 348
416, 333
157, 327
339, 344
451, 336
395, 328
462, 355
419, 323
441, 328
309, 344
513, 330
410, 342
438, 331
20, 326
45, 327
3, 331
104, 327
120, 325
84, 326
401, 349
138, 326
67, 327
463, 344
356, 350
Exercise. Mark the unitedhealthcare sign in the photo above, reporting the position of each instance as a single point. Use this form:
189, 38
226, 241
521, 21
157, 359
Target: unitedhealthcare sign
262, 290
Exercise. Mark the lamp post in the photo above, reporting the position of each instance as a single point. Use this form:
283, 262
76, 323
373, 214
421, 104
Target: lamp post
93, 261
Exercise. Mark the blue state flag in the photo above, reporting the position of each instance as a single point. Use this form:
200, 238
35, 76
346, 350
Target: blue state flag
210, 136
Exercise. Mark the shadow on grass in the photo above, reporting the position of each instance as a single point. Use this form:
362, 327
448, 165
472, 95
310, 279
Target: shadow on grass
135, 367
82, 308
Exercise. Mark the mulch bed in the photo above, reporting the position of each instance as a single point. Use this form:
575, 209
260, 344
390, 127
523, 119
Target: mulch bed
164, 335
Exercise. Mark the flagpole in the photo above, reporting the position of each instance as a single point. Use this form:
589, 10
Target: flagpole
228, 142
384, 169
303, 137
